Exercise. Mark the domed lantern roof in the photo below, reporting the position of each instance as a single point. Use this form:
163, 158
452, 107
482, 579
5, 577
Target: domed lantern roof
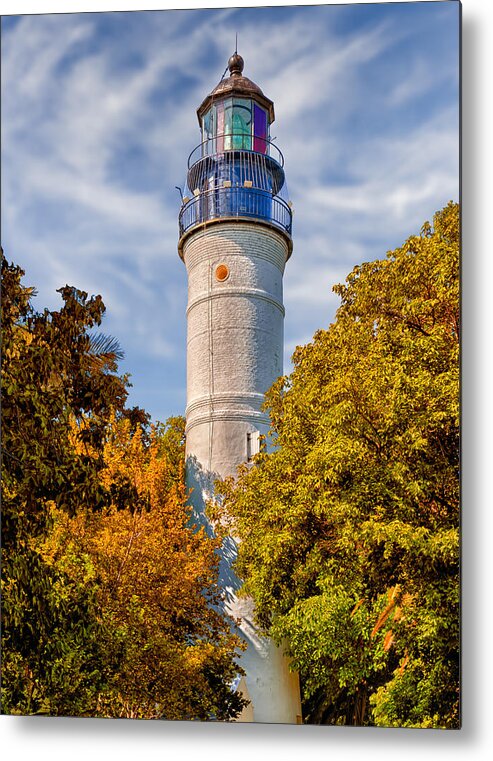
236, 85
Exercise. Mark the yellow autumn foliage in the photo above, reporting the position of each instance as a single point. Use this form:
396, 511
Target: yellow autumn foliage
157, 585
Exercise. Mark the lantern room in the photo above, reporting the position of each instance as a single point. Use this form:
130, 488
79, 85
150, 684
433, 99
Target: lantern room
236, 124
236, 113
236, 171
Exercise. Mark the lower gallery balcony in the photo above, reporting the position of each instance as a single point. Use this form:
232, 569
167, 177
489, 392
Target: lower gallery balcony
228, 202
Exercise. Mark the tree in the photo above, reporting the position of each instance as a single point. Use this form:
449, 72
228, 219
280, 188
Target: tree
53, 643
157, 583
349, 529
106, 588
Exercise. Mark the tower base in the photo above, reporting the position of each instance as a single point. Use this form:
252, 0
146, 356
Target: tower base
272, 689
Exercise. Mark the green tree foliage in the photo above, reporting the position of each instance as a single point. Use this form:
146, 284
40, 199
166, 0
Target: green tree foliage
106, 588
53, 642
349, 529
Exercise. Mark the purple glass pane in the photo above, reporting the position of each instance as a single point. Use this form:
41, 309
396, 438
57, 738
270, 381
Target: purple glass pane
259, 129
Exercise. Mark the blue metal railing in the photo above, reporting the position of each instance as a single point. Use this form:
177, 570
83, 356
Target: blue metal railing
235, 202
232, 141
236, 166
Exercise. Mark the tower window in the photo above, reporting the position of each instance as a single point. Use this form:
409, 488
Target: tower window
253, 444
222, 273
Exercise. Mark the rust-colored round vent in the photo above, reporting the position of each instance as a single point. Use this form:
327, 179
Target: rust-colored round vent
222, 272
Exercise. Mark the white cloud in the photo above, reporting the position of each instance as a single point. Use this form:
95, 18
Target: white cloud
79, 108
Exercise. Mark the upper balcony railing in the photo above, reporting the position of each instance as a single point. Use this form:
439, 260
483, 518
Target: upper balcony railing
236, 166
233, 141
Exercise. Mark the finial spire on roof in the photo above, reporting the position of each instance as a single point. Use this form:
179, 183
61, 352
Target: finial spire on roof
235, 65
236, 85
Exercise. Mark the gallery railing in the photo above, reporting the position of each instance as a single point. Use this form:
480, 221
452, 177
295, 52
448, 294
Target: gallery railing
235, 202
234, 141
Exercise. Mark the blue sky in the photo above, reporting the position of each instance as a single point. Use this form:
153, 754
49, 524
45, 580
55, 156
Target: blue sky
98, 119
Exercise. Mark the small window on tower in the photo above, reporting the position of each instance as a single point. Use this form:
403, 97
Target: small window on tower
222, 273
253, 445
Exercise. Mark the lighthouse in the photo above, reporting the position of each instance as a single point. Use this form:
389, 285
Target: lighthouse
235, 238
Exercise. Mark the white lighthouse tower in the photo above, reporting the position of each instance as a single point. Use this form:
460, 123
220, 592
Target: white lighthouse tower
235, 239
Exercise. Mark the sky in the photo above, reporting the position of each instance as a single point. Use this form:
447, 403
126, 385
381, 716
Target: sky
99, 117
431, 45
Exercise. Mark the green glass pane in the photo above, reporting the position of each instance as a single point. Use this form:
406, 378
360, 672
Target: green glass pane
242, 136
207, 125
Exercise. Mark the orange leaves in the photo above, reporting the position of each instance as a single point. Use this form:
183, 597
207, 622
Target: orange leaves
151, 548
156, 583
392, 596
405, 600
77, 427
124, 455
357, 606
404, 662
388, 640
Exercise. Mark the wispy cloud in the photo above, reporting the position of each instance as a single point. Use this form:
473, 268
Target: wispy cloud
99, 117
